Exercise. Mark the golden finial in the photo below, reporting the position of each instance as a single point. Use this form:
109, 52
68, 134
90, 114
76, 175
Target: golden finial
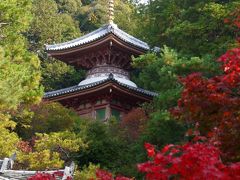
111, 11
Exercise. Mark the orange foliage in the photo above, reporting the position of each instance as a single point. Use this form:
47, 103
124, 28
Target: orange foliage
134, 122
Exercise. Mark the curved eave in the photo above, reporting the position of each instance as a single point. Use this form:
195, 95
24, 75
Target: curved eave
75, 90
96, 35
97, 44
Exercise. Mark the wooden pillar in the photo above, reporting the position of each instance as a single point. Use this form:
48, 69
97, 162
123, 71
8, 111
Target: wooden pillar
108, 107
93, 113
108, 111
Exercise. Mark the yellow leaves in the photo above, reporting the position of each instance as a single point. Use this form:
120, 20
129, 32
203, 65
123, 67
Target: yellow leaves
65, 140
49, 150
169, 55
93, 17
7, 123
1, 53
41, 160
87, 172
8, 140
215, 10
17, 13
3, 117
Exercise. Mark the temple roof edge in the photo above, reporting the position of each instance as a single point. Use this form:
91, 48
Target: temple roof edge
103, 31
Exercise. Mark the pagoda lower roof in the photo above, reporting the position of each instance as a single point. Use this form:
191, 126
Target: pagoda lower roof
110, 79
98, 34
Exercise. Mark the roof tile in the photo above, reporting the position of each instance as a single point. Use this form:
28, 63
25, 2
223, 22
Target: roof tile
97, 34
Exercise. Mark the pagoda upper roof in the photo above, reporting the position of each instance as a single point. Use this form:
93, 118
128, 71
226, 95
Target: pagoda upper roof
110, 79
98, 34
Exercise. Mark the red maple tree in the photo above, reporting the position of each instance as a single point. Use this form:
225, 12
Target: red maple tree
47, 176
105, 175
199, 160
214, 103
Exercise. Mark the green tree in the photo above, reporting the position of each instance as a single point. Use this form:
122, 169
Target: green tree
87, 172
105, 145
163, 130
54, 149
19, 69
8, 139
160, 73
57, 75
54, 22
49, 25
196, 28
69, 6
48, 117
16, 16
95, 14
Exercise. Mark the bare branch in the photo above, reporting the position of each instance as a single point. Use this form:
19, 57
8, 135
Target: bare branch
2, 24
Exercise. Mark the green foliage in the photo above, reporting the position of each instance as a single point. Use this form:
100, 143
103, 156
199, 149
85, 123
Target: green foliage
47, 118
69, 6
105, 145
109, 146
54, 22
162, 130
58, 75
66, 141
12, 83
40, 160
15, 17
51, 150
160, 72
195, 28
87, 172
52, 117
95, 14
49, 25
18, 66
19, 70
8, 139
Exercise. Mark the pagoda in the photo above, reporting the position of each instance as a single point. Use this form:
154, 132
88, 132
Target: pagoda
106, 54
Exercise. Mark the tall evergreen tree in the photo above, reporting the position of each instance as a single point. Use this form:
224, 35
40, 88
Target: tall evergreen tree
195, 28
51, 24
94, 14
19, 69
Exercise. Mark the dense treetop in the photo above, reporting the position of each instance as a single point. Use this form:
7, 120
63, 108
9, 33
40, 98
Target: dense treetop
195, 28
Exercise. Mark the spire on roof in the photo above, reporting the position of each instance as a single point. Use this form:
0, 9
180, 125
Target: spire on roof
111, 11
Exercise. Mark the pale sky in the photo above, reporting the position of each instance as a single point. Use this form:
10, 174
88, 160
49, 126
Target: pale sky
143, 1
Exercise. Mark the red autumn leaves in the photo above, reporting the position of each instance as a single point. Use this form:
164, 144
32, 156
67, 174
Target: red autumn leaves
150, 149
189, 161
47, 176
104, 175
214, 103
